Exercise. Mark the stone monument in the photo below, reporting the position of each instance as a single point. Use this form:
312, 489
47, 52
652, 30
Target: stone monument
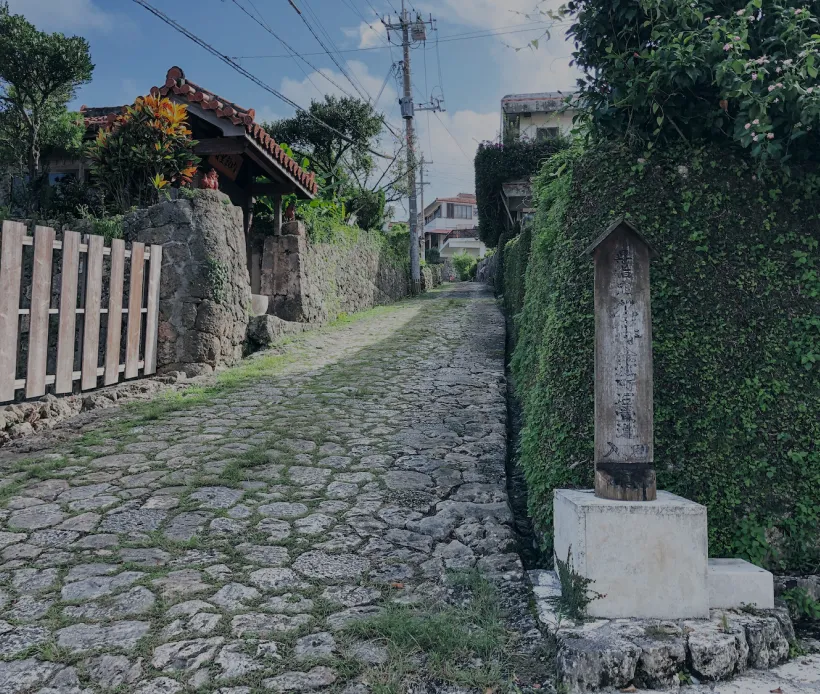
645, 551
623, 366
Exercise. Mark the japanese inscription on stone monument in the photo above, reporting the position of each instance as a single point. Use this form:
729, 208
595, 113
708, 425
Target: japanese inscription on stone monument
623, 366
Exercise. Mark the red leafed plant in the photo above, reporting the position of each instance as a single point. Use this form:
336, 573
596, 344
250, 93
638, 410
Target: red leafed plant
143, 152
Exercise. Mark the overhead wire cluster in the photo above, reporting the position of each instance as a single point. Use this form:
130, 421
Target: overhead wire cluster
329, 48
245, 73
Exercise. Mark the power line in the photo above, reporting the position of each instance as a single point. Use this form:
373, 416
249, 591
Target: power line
327, 50
384, 85
375, 11
242, 71
267, 28
447, 39
332, 43
261, 22
443, 125
438, 61
426, 95
351, 4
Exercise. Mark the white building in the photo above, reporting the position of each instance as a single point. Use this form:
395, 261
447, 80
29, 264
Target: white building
451, 226
537, 116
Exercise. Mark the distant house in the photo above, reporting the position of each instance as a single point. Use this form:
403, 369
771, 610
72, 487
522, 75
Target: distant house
451, 226
463, 241
537, 116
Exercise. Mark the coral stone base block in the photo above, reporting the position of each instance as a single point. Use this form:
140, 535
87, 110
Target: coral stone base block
648, 559
737, 583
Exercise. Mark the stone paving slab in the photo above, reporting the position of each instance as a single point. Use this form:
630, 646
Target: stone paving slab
226, 547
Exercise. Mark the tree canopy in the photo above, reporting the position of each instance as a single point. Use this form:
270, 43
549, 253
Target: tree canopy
348, 173
39, 73
673, 70
342, 163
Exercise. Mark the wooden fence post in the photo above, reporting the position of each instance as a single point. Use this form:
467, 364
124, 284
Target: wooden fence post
11, 268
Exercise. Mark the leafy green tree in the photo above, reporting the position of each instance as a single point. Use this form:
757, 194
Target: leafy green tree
345, 164
39, 73
672, 70
369, 208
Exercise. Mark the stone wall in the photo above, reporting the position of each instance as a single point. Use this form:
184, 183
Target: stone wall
205, 290
316, 283
486, 270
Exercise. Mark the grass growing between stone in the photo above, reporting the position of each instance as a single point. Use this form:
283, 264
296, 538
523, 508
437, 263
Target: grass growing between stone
461, 644
249, 371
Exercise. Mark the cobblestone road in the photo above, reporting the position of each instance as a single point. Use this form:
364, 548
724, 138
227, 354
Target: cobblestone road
231, 545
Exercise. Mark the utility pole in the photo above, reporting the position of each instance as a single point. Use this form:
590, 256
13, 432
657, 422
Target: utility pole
421, 214
411, 30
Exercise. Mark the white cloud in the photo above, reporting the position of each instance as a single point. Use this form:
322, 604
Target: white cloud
368, 35
267, 114
544, 69
63, 15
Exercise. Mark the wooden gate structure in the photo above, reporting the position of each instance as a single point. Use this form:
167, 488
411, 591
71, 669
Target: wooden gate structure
100, 327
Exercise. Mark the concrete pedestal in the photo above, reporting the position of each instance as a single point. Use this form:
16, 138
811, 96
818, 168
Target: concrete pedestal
648, 559
734, 583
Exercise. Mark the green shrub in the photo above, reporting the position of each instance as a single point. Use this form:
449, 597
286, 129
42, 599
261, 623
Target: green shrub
658, 71
146, 150
736, 339
107, 226
802, 606
432, 256
465, 265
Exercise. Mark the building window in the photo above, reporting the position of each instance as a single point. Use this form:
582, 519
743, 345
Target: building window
459, 211
542, 134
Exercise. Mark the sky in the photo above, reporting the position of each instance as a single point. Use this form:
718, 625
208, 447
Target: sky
132, 51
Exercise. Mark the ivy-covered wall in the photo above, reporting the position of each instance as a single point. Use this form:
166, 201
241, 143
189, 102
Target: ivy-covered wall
516, 255
736, 321
496, 164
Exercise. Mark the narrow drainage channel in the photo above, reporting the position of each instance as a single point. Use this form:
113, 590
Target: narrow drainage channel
531, 555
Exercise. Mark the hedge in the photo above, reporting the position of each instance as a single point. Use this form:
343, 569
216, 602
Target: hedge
496, 164
736, 320
516, 254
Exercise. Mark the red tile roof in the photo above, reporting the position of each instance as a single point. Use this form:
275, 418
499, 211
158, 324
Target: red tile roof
99, 117
177, 84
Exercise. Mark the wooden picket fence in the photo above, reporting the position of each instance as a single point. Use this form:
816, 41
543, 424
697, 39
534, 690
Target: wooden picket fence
77, 342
